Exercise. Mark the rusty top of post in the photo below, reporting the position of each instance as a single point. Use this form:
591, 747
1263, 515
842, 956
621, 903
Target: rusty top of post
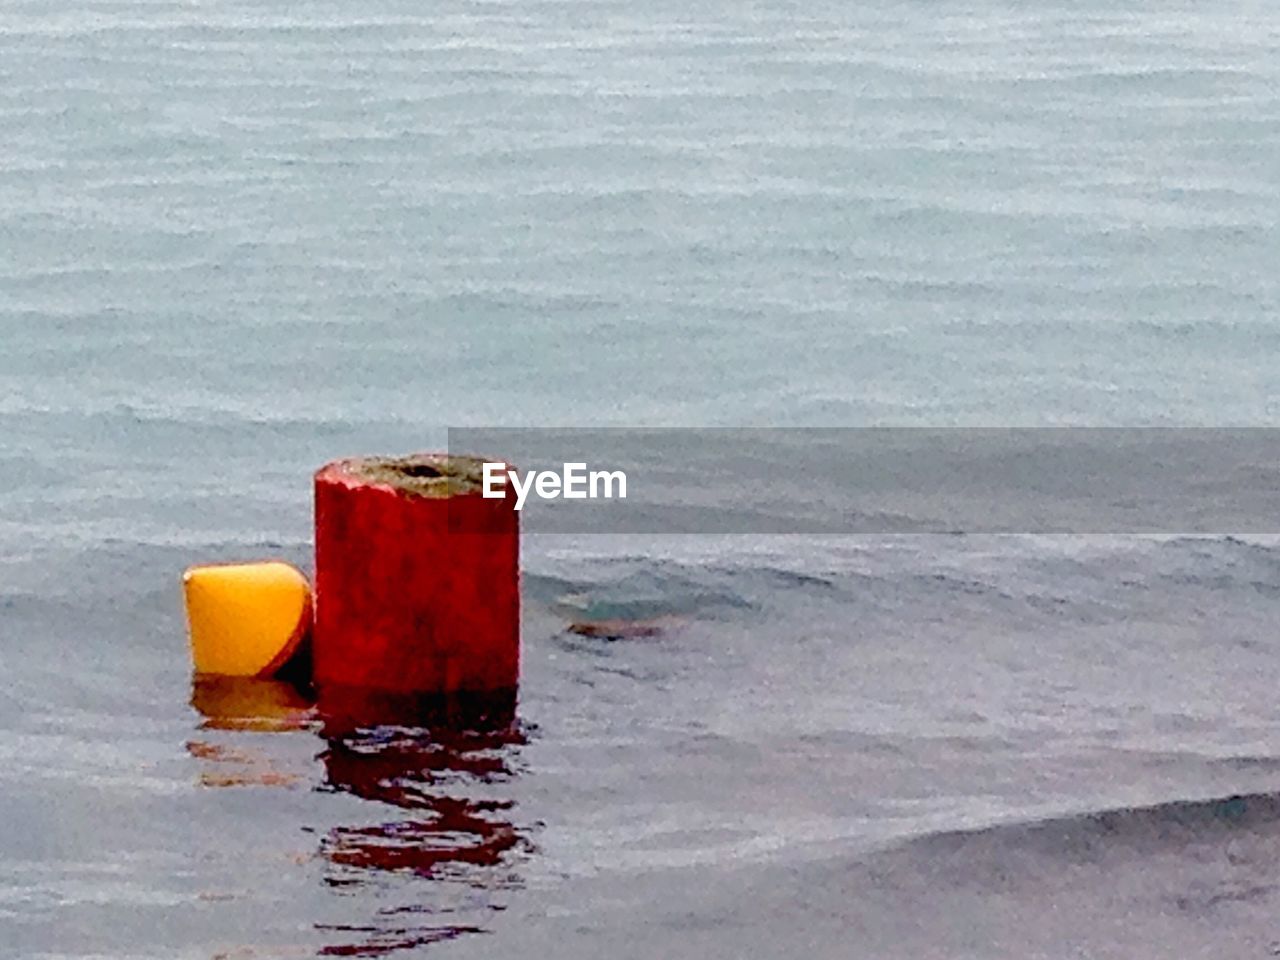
432, 475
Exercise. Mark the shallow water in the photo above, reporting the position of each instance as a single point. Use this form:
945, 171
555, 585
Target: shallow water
812, 713
238, 240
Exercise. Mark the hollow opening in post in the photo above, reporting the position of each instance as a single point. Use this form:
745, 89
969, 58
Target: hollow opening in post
423, 474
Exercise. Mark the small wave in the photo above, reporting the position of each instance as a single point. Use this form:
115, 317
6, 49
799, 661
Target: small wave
1093, 835
639, 591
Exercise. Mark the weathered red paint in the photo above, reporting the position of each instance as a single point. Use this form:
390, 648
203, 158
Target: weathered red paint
414, 594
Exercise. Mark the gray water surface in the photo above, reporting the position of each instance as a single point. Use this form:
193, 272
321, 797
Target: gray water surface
240, 239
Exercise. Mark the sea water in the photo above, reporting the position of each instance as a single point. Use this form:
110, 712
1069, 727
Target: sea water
238, 239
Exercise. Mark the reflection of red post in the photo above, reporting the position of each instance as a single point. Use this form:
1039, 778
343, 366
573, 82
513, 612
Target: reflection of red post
417, 578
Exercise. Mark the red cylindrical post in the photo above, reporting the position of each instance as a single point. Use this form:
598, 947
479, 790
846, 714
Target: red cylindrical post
417, 578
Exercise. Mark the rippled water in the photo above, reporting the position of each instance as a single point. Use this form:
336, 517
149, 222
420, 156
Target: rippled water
691, 213
240, 239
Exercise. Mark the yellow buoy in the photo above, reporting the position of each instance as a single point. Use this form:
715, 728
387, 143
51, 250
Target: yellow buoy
246, 619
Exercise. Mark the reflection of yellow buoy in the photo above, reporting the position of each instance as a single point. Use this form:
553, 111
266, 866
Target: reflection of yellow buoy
246, 619
250, 703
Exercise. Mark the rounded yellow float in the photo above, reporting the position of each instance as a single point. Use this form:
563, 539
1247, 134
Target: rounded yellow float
246, 619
